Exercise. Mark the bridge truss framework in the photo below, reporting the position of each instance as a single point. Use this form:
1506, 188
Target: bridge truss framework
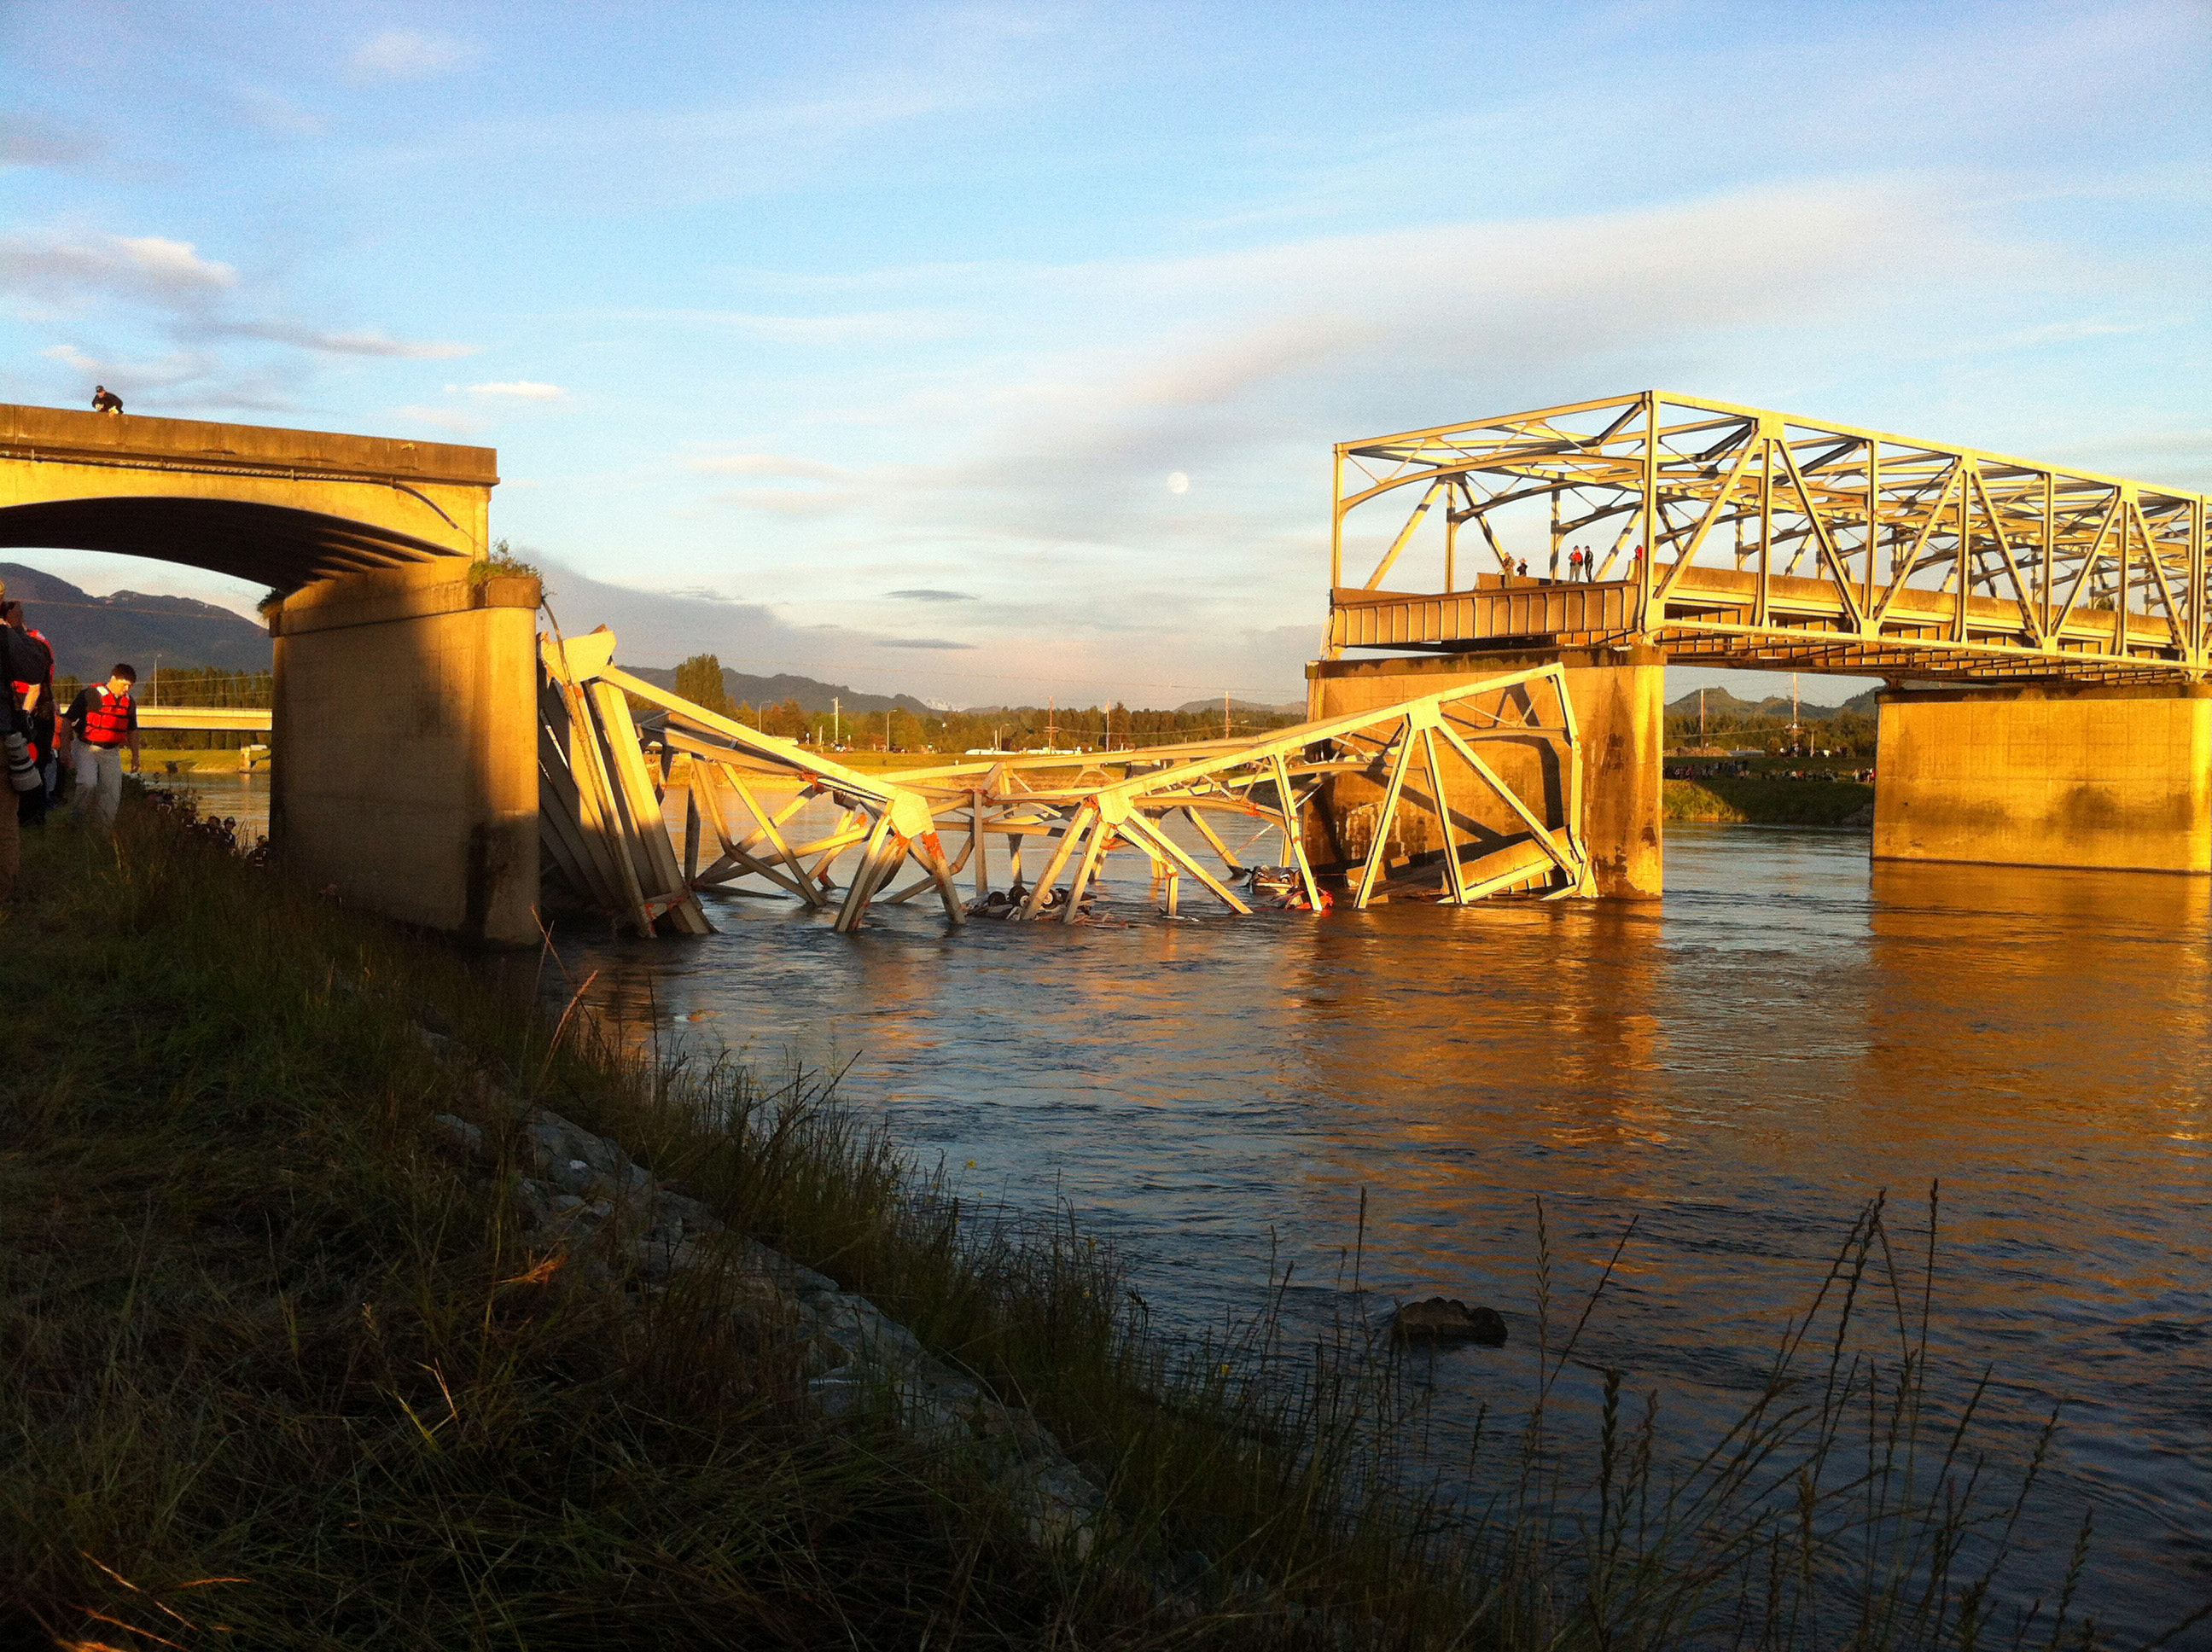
1774, 542
1460, 811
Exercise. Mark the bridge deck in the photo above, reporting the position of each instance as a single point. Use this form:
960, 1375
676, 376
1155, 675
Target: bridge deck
227, 718
1711, 618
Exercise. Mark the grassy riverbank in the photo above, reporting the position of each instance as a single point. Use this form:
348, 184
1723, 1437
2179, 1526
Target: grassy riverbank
1765, 802
279, 1362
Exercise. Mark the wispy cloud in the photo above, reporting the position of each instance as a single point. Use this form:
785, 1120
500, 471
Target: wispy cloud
519, 390
445, 418
920, 642
180, 367
923, 593
272, 112
1062, 461
63, 268
786, 502
409, 54
867, 327
180, 382
773, 466
30, 141
366, 342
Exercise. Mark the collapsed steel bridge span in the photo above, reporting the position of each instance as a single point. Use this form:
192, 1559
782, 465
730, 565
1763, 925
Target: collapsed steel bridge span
1478, 791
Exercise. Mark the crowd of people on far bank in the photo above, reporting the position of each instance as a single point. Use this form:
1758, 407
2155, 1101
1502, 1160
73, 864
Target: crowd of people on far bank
54, 754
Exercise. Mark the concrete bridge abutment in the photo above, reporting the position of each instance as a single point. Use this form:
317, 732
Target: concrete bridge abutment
2117, 778
1619, 699
405, 729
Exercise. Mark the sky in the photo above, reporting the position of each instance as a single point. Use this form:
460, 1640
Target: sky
994, 352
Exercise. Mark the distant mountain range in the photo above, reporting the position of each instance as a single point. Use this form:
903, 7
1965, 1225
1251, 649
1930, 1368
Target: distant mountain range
1720, 700
91, 633
811, 695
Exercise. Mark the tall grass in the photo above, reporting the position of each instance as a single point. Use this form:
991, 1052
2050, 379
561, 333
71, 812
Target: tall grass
277, 1365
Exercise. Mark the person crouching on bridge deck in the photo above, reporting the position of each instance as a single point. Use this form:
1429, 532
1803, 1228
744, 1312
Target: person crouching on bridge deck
105, 400
102, 720
35, 695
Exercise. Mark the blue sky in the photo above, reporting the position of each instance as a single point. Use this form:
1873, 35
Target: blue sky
995, 351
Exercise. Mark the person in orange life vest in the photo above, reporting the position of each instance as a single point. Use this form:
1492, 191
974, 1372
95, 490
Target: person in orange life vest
36, 696
102, 720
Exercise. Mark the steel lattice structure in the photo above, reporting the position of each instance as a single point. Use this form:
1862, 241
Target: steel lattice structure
1774, 541
1477, 790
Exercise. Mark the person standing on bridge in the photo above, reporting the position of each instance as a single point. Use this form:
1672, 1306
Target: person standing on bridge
102, 720
105, 400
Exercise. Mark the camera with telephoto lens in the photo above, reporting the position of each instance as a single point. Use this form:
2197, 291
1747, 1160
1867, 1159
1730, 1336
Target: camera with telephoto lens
22, 773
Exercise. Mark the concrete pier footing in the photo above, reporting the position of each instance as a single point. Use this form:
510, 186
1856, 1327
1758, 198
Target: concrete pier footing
2048, 774
1619, 699
405, 731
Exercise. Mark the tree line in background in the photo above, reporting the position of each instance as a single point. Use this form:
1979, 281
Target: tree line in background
1018, 728
1014, 728
1846, 733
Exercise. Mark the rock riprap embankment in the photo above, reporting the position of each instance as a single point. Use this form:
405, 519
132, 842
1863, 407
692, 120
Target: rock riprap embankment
617, 1223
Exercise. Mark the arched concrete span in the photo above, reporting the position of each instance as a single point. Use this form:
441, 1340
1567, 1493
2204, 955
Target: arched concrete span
283, 507
406, 773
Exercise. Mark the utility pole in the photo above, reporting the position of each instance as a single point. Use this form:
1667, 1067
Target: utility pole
1224, 713
1701, 719
1793, 713
836, 728
1051, 707
887, 732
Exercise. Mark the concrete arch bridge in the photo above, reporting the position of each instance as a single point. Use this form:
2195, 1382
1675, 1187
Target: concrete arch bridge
405, 659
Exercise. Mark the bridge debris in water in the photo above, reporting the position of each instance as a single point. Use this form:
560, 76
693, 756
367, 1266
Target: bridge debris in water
1476, 791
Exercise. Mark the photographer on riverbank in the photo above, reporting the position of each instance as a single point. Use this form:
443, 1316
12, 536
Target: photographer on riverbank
23, 664
34, 694
101, 721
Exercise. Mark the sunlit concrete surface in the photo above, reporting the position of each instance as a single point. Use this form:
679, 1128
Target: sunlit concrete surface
2055, 774
407, 740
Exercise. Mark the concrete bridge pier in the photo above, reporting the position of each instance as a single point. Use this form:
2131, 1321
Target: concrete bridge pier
405, 729
2048, 774
1618, 698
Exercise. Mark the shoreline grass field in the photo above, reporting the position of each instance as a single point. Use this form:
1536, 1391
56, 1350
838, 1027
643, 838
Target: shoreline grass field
285, 1371
1762, 802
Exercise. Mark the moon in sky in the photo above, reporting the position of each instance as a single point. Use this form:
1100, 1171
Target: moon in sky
1178, 482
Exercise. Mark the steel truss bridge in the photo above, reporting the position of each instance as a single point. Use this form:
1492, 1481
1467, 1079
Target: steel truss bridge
1735, 536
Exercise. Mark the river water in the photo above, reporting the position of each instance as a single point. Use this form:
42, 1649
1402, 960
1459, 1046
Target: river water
1737, 1069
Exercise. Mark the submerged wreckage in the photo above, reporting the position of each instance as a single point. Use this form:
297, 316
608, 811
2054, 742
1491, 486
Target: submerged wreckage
1458, 795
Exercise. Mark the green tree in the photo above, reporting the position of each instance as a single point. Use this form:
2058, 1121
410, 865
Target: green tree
699, 679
